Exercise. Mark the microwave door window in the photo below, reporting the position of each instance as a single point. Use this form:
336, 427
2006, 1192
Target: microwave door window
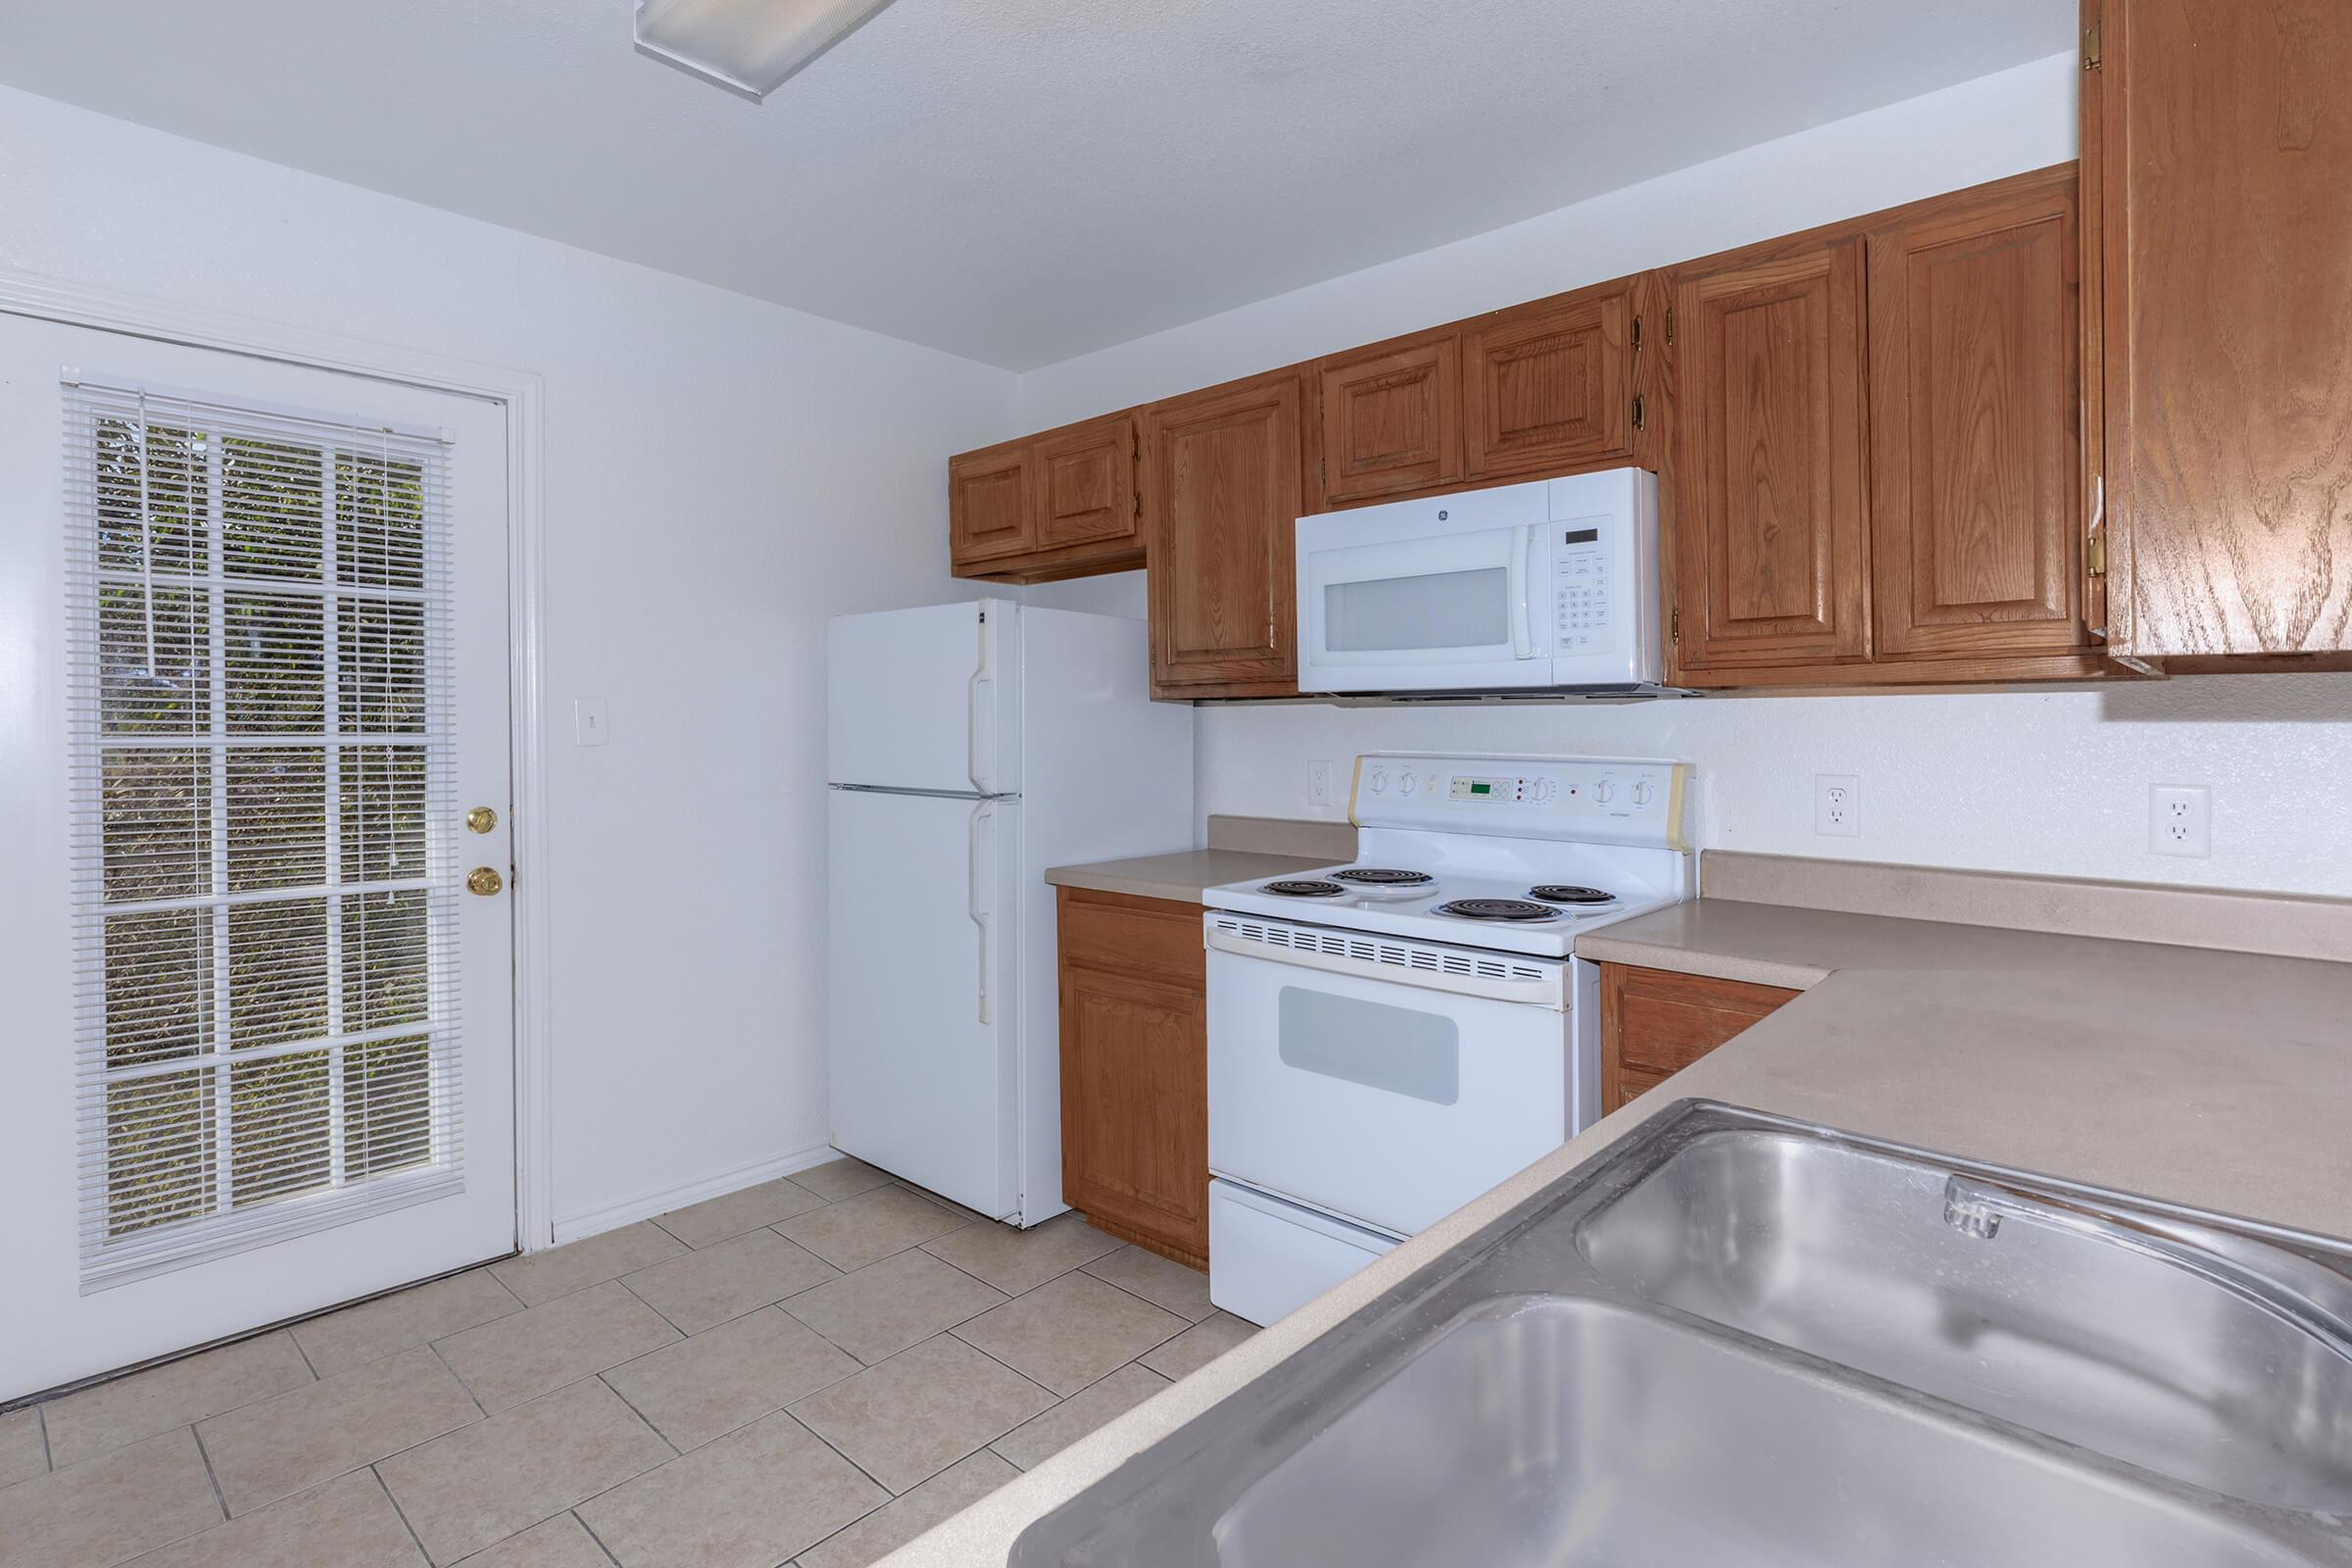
1440, 610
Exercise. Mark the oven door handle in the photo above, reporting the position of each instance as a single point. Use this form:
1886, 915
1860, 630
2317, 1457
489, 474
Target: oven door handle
1522, 583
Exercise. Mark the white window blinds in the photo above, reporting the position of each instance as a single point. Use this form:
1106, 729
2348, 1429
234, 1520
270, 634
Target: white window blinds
264, 885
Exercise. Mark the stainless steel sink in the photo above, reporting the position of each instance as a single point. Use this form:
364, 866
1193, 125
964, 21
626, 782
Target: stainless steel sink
1743, 1339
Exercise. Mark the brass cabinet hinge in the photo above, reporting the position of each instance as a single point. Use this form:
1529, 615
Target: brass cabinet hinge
1675, 626
1670, 326
1639, 411
1636, 335
2094, 54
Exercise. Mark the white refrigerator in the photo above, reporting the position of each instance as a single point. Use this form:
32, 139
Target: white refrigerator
970, 747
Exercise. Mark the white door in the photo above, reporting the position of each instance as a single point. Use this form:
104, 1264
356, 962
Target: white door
925, 699
923, 1000
253, 677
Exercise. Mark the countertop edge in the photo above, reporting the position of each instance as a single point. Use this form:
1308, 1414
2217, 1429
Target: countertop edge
1601, 948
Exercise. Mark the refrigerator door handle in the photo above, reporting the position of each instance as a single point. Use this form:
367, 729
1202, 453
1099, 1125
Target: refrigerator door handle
982, 902
981, 693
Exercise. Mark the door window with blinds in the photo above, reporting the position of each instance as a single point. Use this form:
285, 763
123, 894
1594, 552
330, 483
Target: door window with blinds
263, 885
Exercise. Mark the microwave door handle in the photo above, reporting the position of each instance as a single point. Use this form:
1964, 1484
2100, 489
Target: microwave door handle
1522, 583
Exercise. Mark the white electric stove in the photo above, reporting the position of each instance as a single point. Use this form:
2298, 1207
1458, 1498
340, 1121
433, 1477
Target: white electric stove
1391, 1038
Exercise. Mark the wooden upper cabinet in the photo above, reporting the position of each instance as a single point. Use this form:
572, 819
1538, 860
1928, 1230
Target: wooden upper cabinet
1975, 453
1389, 419
1222, 494
991, 510
1549, 385
2217, 139
1057, 504
1768, 456
1086, 484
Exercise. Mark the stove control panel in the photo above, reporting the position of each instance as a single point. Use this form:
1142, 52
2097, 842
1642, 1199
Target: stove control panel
1588, 798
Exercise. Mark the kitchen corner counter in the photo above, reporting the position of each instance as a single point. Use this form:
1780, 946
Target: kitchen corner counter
2214, 1079
1241, 849
1180, 877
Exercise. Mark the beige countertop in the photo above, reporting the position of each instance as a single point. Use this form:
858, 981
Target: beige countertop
1180, 877
2221, 1080
1241, 849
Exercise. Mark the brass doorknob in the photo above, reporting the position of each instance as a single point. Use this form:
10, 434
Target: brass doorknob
481, 819
485, 881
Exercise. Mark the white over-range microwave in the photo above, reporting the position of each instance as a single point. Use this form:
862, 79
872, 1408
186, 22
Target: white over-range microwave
1549, 587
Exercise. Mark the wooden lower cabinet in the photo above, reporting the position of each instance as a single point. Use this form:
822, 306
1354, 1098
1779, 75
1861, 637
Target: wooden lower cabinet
1134, 1070
1655, 1023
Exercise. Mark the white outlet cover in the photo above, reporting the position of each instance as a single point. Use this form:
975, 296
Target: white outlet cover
1837, 805
1318, 783
2180, 821
591, 724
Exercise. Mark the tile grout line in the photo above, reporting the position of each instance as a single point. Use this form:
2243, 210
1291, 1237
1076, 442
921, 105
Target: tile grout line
464, 1386
891, 1496
675, 1452
202, 1454
40, 1416
400, 1513
574, 1511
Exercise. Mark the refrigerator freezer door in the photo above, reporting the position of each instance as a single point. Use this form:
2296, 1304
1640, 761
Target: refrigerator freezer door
926, 699
924, 1014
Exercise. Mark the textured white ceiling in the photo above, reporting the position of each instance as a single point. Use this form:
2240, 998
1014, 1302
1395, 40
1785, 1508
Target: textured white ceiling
1014, 181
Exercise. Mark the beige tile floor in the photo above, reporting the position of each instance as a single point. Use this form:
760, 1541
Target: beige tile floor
811, 1371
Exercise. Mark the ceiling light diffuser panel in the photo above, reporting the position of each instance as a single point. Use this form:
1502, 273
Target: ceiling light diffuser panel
750, 47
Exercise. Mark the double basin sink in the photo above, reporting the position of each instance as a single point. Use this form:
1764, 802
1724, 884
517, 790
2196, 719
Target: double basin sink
1741, 1340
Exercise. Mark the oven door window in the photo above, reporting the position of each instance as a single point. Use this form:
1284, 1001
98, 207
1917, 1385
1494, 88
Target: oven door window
1398, 1050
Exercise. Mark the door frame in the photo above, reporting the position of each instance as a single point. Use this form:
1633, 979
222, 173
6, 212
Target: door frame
522, 395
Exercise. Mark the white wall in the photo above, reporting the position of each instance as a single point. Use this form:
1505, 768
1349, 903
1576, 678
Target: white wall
721, 475
2040, 780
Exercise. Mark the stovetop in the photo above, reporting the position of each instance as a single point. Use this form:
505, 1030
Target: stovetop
1511, 853
1463, 909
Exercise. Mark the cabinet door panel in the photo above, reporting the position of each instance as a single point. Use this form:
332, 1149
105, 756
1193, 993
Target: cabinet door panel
1975, 449
1655, 1023
991, 513
1391, 420
1086, 484
2224, 155
1135, 1105
1770, 459
1547, 384
1222, 496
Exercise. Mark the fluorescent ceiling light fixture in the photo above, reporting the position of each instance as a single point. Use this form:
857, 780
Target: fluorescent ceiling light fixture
750, 47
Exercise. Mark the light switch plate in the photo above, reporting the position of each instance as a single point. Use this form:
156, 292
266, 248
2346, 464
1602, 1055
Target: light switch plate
591, 724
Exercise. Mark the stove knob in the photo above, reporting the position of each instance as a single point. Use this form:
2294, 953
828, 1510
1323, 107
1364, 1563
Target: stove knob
1380, 782
1405, 784
1643, 791
1604, 792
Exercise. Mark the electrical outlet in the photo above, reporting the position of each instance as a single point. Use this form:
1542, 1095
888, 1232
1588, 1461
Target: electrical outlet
1318, 783
1837, 805
2180, 821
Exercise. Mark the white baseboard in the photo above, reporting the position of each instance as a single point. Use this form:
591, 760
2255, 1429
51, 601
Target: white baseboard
629, 1211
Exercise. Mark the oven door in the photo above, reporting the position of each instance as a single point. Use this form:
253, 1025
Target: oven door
1383, 1102
1433, 612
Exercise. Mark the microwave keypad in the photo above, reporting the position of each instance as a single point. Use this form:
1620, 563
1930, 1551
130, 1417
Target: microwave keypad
1580, 597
